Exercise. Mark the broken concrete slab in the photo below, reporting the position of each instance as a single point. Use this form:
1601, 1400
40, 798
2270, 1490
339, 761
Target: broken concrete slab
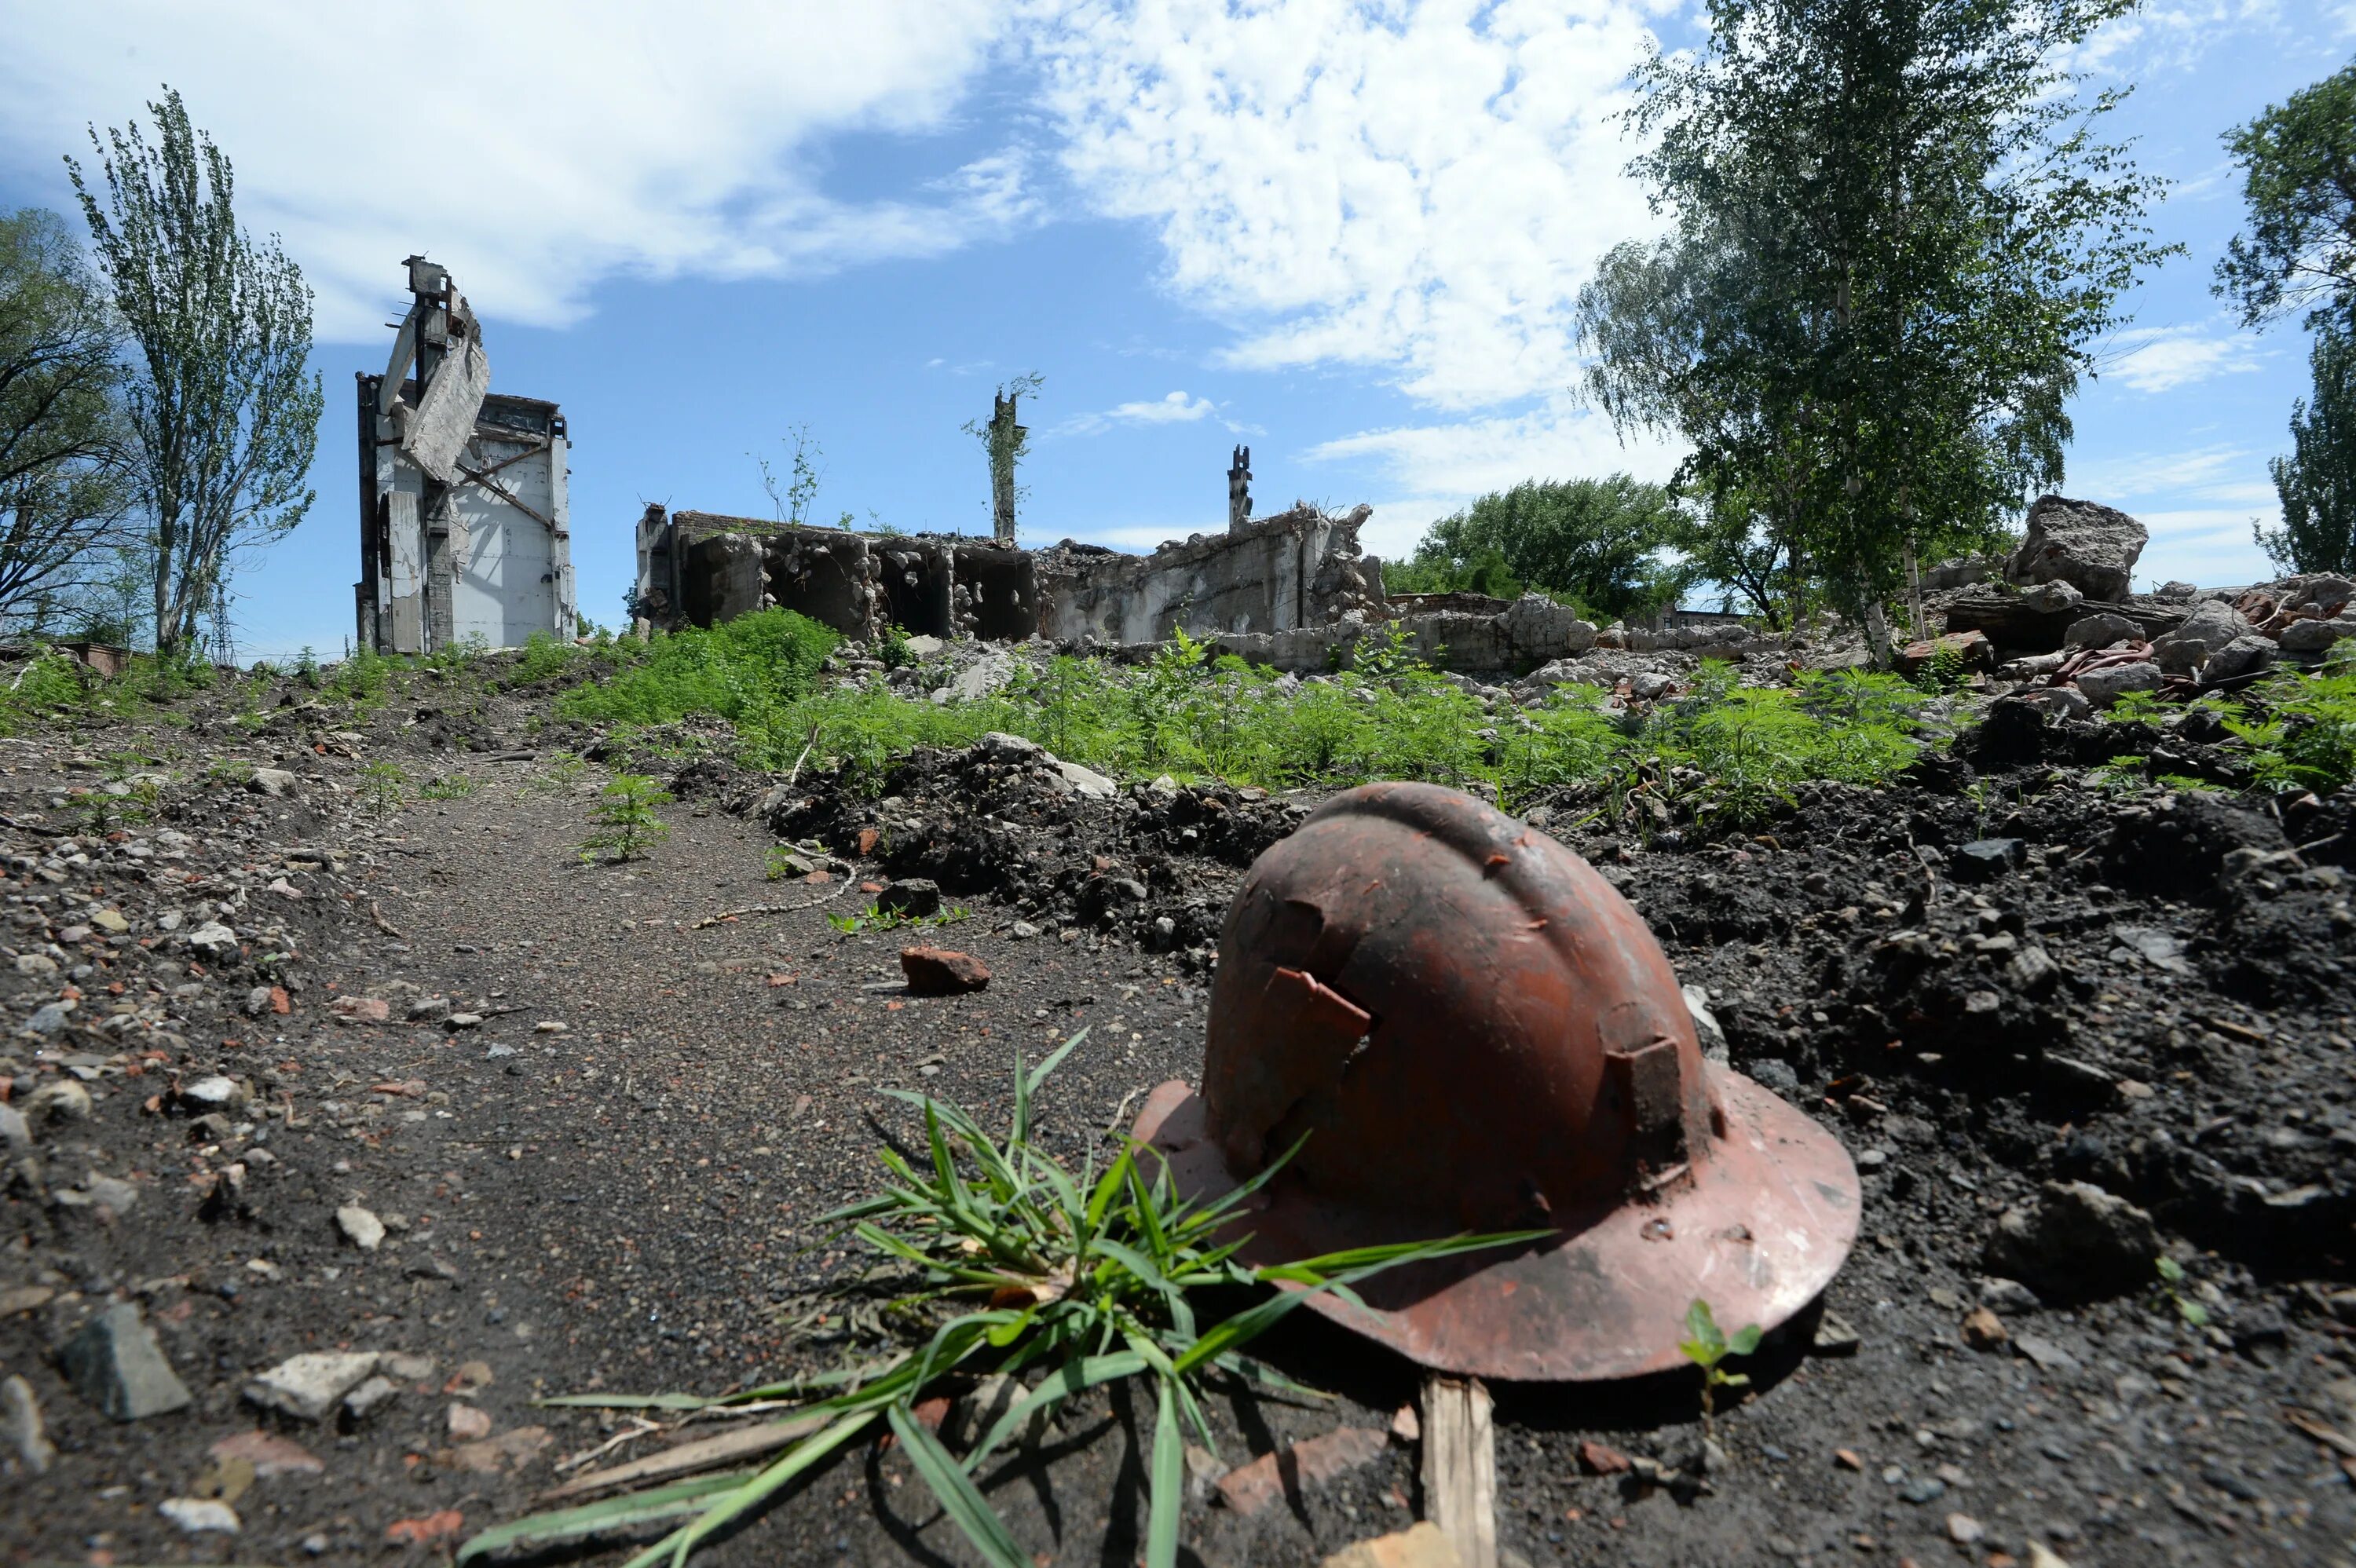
310, 1385
2090, 547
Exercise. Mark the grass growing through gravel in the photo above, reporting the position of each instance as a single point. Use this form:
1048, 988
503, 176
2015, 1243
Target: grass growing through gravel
2301, 730
1024, 1268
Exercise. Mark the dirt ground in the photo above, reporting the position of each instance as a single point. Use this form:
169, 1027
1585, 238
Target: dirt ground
598, 1136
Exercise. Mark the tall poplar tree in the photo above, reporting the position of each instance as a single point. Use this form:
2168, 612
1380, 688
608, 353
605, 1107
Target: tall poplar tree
223, 405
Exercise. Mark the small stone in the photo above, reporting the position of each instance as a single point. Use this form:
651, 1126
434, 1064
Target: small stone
22, 1428
1964, 1530
407, 1366
943, 972
360, 1227
2043, 1556
2047, 1355
212, 942
464, 1021
214, 1093
1420, 1545
913, 898
1923, 1489
115, 1363
275, 782
2008, 1295
2078, 1241
425, 1530
39, 966
1407, 1427
428, 1010
1022, 931
110, 921
469, 1423
50, 1018
1848, 1459
2134, 1089
1249, 1487
269, 1453
1984, 1330
1598, 1460
363, 1401
1834, 1336
507, 1451
309, 1385
200, 1516
360, 1010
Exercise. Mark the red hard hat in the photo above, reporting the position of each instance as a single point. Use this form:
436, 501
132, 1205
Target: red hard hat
1464, 1027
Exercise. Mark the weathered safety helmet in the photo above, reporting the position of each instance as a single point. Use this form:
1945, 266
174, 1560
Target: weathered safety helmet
1464, 1027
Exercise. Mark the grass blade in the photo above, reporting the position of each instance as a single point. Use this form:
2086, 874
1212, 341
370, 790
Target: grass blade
766, 1485
1061, 1384
542, 1530
956, 1495
1167, 1494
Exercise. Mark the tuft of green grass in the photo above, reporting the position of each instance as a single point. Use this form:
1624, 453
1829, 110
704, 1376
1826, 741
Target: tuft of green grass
380, 787
450, 785
625, 817
874, 919
1023, 1266
748, 671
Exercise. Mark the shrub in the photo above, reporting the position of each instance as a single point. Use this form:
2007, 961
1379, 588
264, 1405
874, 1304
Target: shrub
626, 819
749, 671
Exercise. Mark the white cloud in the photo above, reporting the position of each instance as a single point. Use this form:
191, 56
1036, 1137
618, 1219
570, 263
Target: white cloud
1559, 440
2162, 358
1419, 188
535, 150
1174, 408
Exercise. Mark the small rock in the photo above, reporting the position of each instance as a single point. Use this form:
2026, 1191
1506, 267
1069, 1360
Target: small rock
2043, 1556
943, 972
2077, 1241
360, 1010
22, 1428
463, 1022
2101, 629
1964, 1530
309, 1385
39, 966
110, 921
200, 1516
507, 1451
1984, 860
213, 941
275, 782
913, 899
1984, 1330
1407, 1427
50, 1018
1834, 1336
2105, 686
1249, 1487
428, 1010
363, 1401
426, 1530
469, 1423
1598, 1460
407, 1367
1848, 1459
2047, 1355
2008, 1295
1420, 1545
1706, 1024
360, 1227
1022, 931
115, 1363
269, 1453
1094, 786
214, 1093
1923, 1489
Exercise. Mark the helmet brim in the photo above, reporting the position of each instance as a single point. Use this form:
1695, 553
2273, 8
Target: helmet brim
1757, 1228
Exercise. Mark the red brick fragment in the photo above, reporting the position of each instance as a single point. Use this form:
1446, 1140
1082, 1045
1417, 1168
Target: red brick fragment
942, 972
1249, 1488
1598, 1460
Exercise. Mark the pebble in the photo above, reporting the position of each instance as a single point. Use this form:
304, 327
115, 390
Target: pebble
363, 1401
1984, 1330
309, 1385
1923, 1489
1964, 1530
22, 1427
469, 1423
1835, 1336
200, 1516
360, 1227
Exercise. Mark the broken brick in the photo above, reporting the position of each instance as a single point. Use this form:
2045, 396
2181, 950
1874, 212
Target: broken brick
1251, 1486
942, 972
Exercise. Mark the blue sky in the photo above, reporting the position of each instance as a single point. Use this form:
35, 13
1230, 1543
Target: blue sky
1346, 234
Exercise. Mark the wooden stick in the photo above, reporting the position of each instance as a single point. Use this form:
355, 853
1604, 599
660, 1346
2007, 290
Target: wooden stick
704, 1454
1460, 1466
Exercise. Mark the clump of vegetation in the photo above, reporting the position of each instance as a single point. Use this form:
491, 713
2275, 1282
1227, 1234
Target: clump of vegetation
1707, 1346
749, 671
625, 818
454, 785
2301, 730
380, 787
2172, 1291
874, 919
1023, 1266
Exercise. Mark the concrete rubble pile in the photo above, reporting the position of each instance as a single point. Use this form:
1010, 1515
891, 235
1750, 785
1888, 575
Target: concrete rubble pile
2062, 624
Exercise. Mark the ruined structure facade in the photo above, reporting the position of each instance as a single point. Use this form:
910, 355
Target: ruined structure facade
465, 532
1298, 569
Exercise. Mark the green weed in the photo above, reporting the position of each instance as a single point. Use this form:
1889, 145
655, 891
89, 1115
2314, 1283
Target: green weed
1706, 1347
446, 786
2172, 1290
380, 787
1026, 1267
2301, 730
874, 919
749, 671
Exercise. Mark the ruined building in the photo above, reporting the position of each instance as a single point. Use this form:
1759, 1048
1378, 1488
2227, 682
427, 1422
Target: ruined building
1300, 568
464, 530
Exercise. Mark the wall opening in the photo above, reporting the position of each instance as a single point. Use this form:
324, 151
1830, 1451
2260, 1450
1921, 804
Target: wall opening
1004, 590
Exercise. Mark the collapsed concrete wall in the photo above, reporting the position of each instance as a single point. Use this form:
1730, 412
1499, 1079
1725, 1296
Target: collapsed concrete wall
1298, 569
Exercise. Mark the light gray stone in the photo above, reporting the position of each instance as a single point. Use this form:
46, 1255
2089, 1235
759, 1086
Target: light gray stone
2310, 637
1705, 1025
2101, 630
2241, 656
360, 1227
22, 1428
2103, 686
2062, 702
212, 940
309, 1385
115, 1363
275, 782
59, 1100
1095, 785
2211, 625
2093, 547
200, 1516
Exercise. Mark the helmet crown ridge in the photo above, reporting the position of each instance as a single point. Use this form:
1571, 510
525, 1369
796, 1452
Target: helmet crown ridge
1460, 1023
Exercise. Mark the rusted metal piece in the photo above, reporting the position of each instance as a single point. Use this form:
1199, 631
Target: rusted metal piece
1465, 1029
